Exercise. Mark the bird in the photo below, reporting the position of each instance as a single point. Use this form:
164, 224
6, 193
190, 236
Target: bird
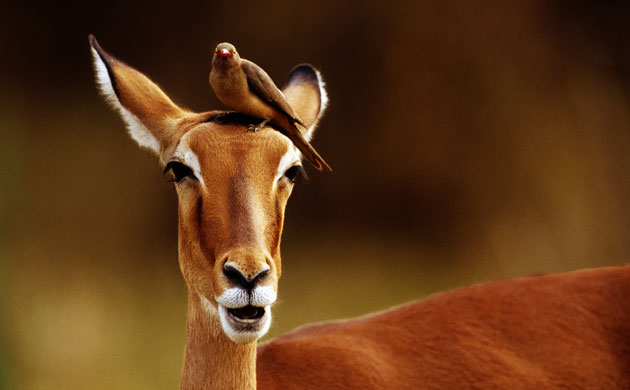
245, 87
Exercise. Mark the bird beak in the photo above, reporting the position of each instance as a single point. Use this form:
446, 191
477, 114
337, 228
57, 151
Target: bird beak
224, 53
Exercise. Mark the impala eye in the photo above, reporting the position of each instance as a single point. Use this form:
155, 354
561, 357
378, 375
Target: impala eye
180, 171
294, 172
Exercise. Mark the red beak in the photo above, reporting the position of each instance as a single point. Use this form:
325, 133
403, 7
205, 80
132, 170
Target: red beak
224, 53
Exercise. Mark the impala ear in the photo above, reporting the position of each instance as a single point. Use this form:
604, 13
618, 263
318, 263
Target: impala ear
305, 92
148, 113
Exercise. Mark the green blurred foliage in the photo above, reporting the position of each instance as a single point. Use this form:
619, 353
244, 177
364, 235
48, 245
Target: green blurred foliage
470, 141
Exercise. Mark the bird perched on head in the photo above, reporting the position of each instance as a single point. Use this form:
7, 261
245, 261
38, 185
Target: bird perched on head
244, 87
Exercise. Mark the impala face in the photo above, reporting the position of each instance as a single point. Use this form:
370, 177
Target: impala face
232, 186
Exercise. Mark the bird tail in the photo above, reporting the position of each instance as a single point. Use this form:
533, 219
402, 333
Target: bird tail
307, 150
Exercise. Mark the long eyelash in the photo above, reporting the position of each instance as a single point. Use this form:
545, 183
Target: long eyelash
166, 170
172, 165
302, 173
168, 167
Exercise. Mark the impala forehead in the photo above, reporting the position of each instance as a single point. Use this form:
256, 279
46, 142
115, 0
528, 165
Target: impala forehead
231, 149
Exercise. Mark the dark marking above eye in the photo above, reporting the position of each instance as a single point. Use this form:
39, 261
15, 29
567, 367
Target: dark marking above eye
180, 171
199, 211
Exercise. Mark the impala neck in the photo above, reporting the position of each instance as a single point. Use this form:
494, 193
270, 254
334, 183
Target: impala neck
212, 360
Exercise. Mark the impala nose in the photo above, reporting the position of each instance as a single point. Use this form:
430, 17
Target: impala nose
240, 278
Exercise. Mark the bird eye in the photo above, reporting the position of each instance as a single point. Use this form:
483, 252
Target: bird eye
233, 51
294, 172
216, 50
180, 171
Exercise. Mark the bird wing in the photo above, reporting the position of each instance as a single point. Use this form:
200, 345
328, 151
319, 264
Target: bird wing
263, 86
307, 149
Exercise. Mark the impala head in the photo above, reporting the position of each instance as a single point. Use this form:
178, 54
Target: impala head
232, 185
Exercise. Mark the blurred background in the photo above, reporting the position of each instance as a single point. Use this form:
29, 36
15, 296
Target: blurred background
470, 141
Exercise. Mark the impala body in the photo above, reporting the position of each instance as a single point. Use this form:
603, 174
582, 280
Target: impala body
564, 331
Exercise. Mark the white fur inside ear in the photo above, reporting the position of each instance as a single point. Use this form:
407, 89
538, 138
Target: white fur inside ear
322, 93
136, 128
323, 103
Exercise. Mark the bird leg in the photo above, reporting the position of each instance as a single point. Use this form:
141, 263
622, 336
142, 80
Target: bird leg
260, 126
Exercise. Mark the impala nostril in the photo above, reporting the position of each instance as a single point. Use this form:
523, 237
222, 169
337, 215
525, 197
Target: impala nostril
237, 277
260, 275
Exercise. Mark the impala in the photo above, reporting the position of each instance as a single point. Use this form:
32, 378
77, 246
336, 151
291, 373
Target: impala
563, 331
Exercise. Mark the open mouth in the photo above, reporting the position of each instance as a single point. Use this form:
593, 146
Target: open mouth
248, 313
245, 324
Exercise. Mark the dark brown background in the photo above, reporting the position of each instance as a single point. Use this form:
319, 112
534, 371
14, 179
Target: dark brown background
470, 141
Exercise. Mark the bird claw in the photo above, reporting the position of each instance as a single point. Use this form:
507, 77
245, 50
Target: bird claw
258, 127
253, 128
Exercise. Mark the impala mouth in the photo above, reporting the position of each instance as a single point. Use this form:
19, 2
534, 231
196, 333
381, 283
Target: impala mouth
247, 314
245, 324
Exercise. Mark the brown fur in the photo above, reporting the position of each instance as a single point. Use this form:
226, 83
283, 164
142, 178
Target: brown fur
563, 331
212, 360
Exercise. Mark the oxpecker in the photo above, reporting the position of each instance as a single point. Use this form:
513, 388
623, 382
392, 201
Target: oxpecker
245, 87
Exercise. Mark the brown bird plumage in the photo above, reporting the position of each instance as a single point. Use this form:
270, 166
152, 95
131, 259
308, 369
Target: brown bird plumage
244, 87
